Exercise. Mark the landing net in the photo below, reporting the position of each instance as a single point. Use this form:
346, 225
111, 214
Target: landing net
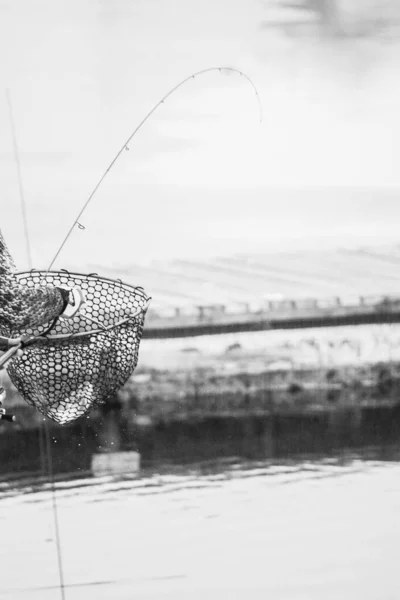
80, 362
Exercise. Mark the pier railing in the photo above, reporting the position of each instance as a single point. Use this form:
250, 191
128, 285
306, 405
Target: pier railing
271, 314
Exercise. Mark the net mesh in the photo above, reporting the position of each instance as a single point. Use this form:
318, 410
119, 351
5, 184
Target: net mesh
80, 363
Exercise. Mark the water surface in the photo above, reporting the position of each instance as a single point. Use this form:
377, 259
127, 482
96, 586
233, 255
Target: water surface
311, 528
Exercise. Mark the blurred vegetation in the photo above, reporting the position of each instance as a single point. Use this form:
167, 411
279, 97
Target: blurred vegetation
163, 395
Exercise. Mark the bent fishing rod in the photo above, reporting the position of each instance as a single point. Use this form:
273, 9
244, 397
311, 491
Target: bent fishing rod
125, 146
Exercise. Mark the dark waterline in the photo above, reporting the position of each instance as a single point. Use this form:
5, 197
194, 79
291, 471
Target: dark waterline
166, 477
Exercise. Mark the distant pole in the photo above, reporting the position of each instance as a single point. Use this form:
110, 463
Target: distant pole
20, 181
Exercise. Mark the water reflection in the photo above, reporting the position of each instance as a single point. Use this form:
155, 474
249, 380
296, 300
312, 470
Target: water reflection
169, 478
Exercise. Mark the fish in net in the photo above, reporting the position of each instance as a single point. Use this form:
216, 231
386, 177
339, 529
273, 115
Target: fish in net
75, 364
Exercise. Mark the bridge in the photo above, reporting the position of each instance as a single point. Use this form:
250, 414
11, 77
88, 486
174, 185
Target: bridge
284, 314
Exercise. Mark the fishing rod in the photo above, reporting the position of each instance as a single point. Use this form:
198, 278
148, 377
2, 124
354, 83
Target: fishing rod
125, 146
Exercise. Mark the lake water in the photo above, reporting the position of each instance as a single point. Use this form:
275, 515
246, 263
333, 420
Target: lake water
311, 529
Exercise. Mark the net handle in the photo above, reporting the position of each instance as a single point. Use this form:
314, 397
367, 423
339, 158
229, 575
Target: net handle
67, 336
9, 354
12, 345
6, 343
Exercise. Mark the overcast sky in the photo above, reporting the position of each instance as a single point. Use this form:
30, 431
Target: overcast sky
202, 177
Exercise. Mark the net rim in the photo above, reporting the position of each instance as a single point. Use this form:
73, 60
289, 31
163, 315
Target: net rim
49, 337
64, 272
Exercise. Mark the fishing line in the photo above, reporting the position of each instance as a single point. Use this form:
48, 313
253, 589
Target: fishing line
125, 146
55, 511
20, 180
44, 440
26, 232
